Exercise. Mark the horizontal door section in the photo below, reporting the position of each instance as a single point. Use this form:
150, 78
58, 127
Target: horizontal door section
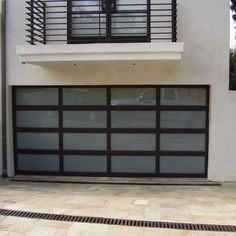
111, 130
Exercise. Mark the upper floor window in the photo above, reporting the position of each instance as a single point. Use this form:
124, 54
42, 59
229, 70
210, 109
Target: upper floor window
91, 21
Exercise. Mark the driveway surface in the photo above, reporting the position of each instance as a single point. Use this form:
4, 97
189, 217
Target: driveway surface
185, 204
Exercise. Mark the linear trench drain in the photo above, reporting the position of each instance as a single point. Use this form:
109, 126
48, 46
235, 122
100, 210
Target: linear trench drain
122, 222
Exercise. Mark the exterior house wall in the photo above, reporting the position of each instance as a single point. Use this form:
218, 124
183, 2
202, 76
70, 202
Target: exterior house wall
205, 33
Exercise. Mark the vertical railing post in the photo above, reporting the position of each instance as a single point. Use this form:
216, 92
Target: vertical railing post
32, 22
174, 20
44, 23
149, 20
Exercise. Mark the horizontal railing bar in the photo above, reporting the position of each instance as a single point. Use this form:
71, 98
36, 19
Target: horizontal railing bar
30, 30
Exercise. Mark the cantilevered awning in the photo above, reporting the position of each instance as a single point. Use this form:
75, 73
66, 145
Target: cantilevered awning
64, 53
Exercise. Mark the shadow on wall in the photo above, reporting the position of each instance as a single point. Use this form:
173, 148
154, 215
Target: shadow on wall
232, 77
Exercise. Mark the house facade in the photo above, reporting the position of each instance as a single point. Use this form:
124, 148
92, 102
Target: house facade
119, 88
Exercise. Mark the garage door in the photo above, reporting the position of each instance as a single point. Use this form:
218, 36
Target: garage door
111, 131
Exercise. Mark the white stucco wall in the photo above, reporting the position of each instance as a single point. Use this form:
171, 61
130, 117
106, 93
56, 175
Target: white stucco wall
205, 33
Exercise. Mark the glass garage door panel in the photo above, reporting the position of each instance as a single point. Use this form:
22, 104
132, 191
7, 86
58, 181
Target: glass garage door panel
32, 162
38, 119
84, 119
84, 96
85, 163
133, 142
183, 119
183, 96
182, 142
182, 164
133, 96
47, 141
133, 164
84, 141
133, 119
37, 96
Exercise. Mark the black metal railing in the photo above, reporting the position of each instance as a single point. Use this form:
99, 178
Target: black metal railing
101, 21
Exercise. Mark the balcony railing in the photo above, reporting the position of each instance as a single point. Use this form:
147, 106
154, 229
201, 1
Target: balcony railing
100, 21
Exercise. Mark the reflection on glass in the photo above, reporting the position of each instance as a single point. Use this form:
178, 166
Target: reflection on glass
182, 142
84, 96
182, 164
133, 164
183, 119
37, 141
84, 119
32, 162
183, 96
130, 19
37, 96
42, 119
133, 96
85, 141
133, 142
82, 163
88, 20
133, 119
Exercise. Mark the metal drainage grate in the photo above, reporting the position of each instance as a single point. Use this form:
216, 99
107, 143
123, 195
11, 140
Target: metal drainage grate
124, 222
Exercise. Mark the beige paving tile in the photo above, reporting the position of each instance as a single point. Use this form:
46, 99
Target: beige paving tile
88, 229
15, 224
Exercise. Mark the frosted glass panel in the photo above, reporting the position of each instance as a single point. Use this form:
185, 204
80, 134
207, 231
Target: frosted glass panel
37, 140
85, 163
133, 119
84, 141
182, 164
32, 162
183, 96
37, 119
132, 142
133, 96
36, 96
84, 96
183, 119
133, 164
87, 119
182, 142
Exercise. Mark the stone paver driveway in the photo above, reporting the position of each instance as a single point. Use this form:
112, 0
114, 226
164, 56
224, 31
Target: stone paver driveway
202, 204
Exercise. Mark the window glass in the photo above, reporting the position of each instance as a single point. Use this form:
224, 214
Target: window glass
182, 142
84, 96
183, 119
85, 141
133, 96
133, 142
41, 119
182, 164
133, 164
37, 140
32, 162
85, 163
84, 119
183, 96
36, 96
133, 119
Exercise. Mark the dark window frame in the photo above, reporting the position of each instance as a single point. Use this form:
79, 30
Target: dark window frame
109, 10
108, 108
